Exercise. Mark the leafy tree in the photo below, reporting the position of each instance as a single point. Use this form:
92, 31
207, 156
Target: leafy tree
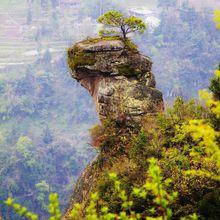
215, 81
119, 24
54, 207
217, 18
23, 146
43, 190
207, 138
215, 84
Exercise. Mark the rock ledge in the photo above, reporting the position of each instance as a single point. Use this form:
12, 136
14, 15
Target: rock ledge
118, 78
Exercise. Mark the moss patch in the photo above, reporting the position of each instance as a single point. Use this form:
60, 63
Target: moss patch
77, 57
80, 58
129, 45
128, 70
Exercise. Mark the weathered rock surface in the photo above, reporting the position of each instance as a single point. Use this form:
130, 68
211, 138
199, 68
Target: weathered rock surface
118, 78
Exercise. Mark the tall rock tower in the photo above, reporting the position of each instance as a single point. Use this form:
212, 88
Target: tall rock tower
122, 86
118, 78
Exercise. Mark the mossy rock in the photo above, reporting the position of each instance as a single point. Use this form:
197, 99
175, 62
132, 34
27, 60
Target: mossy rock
130, 45
128, 70
80, 58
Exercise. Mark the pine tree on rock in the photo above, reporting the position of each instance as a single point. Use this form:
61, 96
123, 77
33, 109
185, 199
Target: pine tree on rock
117, 24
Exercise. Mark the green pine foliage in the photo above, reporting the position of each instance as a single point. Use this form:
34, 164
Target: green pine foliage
117, 24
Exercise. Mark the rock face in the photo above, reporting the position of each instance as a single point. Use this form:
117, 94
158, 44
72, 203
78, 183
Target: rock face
118, 78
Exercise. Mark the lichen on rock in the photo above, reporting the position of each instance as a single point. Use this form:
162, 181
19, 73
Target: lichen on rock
117, 76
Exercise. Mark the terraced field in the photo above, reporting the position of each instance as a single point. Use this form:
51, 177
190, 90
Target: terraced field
17, 53
18, 44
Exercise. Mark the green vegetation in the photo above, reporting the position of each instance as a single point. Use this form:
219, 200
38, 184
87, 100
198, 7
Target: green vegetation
53, 208
35, 129
153, 185
118, 24
22, 211
217, 18
130, 45
80, 58
178, 48
128, 70
77, 57
178, 151
215, 84
185, 143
